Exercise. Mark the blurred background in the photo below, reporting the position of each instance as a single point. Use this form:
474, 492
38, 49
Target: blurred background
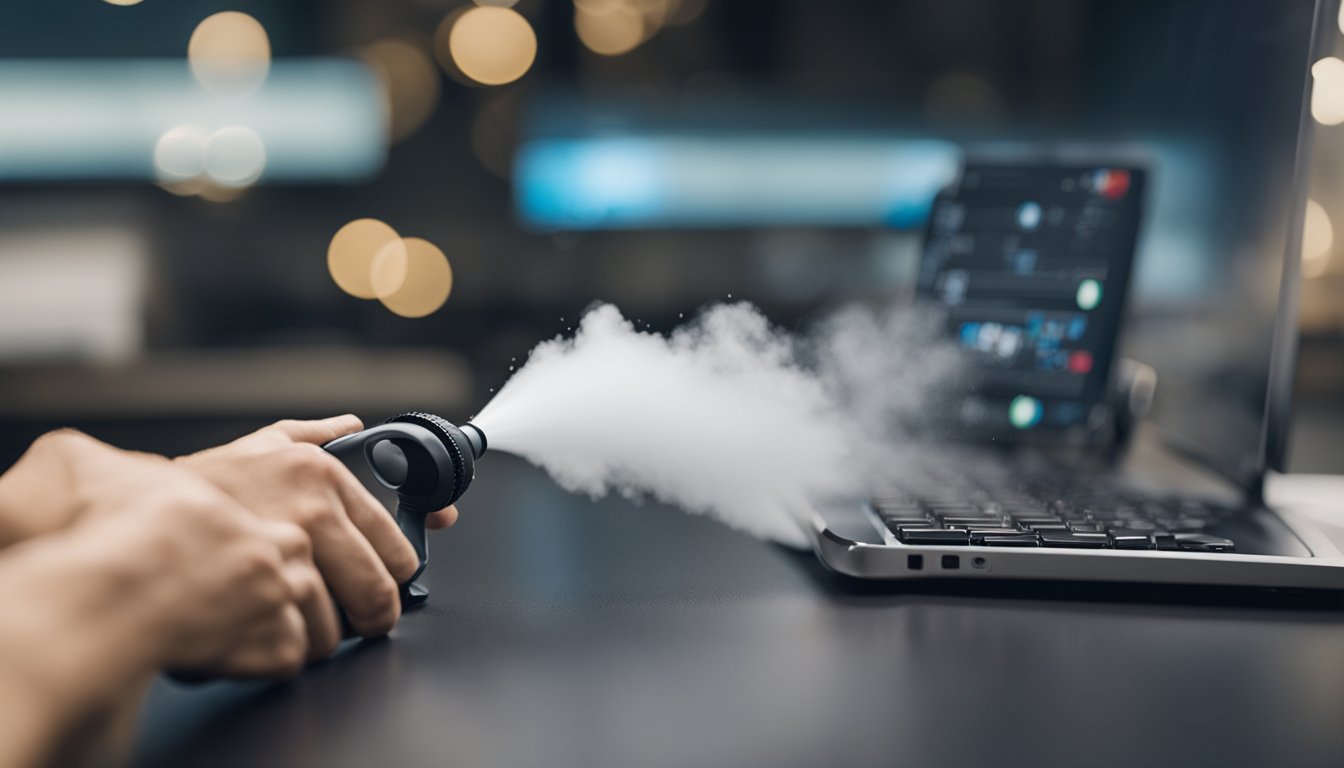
214, 214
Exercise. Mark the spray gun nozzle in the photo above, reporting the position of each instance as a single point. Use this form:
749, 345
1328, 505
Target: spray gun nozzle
428, 461
476, 437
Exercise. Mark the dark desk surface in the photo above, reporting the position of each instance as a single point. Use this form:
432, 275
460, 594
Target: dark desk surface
566, 633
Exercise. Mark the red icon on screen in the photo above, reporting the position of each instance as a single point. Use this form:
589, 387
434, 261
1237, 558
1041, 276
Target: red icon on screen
1111, 183
1080, 361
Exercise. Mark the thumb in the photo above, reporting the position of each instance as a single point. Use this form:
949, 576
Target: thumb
318, 430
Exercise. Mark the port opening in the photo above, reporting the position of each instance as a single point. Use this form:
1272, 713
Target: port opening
914, 562
951, 562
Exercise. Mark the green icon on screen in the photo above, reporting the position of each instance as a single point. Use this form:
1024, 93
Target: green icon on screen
1089, 294
1024, 412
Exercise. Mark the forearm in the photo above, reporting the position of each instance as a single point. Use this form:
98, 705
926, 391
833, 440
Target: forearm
75, 643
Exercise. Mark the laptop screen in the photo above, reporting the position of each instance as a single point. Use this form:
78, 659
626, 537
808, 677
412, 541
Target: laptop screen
1031, 263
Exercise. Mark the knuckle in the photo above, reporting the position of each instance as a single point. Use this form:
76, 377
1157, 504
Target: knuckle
312, 461
293, 541
310, 513
308, 588
60, 437
61, 442
258, 564
284, 426
314, 457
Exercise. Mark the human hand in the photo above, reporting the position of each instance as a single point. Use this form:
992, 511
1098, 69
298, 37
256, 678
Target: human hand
237, 595
281, 473
158, 570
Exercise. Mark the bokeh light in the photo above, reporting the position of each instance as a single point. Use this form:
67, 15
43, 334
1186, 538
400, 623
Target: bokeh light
1327, 91
1318, 238
492, 45
410, 82
353, 250
229, 52
656, 14
123, 2
387, 274
191, 161
179, 154
416, 286
609, 27
234, 157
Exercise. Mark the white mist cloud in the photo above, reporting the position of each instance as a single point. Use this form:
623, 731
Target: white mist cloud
726, 416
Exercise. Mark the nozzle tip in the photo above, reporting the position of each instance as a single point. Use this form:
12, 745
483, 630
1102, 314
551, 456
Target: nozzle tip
476, 436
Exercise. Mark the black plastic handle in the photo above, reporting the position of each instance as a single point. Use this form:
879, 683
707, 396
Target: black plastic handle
412, 461
428, 461
411, 521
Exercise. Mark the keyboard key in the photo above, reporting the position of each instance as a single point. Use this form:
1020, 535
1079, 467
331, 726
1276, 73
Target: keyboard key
1122, 539
1163, 540
1086, 528
1202, 542
936, 536
1078, 540
913, 517
896, 526
1047, 528
978, 534
1019, 539
983, 522
1030, 520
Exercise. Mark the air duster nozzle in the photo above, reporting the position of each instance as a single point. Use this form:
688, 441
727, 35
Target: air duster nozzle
428, 461
476, 437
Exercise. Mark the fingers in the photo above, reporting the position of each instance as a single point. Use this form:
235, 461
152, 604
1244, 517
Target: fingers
320, 430
307, 591
371, 519
354, 571
444, 518
309, 594
274, 648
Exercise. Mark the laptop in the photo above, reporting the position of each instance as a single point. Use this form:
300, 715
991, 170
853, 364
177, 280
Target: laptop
1058, 470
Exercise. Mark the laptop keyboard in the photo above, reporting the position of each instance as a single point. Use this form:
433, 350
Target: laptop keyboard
1048, 512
